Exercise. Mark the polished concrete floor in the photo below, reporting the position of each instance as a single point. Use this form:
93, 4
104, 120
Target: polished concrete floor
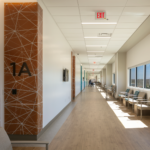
99, 124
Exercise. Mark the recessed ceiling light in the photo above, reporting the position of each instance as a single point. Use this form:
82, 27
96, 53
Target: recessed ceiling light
95, 45
95, 51
97, 37
99, 22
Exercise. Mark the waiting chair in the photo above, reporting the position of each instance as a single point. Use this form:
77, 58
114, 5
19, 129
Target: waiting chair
142, 106
6, 144
123, 94
135, 100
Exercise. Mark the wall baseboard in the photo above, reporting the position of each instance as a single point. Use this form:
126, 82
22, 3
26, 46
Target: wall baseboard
35, 137
22, 137
47, 126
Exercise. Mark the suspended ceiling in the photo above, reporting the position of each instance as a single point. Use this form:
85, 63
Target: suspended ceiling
70, 14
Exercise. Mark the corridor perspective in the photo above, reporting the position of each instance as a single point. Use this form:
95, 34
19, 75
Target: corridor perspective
74, 74
93, 125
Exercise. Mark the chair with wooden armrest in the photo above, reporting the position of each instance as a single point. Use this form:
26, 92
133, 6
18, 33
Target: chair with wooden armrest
123, 95
141, 96
6, 144
142, 105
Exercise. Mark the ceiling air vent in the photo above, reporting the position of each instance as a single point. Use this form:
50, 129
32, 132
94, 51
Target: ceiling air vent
104, 34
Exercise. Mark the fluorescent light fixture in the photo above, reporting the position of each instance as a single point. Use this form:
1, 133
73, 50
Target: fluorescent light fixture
95, 45
97, 37
99, 22
96, 51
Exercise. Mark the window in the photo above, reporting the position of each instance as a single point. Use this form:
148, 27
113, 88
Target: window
140, 76
132, 76
113, 78
147, 76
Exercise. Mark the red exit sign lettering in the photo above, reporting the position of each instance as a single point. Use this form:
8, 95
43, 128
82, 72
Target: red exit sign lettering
100, 15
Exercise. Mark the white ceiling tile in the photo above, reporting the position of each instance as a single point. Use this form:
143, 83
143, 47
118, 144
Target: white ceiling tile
131, 11
132, 18
97, 31
116, 43
78, 46
119, 38
96, 43
68, 11
106, 58
102, 2
121, 35
99, 26
92, 39
96, 48
112, 50
124, 31
60, 2
138, 3
128, 25
75, 39
109, 10
72, 31
67, 19
70, 25
92, 19
70, 35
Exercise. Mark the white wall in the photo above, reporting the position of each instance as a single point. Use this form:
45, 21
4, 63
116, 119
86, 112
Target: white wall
120, 72
77, 76
103, 76
93, 76
138, 55
113, 67
56, 57
108, 74
113, 71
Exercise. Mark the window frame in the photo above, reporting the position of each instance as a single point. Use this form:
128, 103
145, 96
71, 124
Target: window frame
135, 77
144, 76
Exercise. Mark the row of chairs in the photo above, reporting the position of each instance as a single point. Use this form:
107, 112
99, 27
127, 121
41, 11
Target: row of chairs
140, 105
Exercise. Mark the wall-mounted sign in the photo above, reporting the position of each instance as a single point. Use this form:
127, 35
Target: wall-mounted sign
24, 69
101, 15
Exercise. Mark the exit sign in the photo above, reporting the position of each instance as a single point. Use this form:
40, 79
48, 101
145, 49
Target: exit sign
100, 15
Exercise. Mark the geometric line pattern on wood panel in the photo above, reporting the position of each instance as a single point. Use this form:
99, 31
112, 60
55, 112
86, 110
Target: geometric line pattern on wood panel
23, 43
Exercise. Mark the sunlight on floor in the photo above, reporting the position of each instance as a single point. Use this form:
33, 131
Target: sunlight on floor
104, 95
100, 90
125, 118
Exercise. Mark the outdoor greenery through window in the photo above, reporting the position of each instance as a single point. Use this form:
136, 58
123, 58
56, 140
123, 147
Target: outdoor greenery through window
147, 82
132, 76
140, 76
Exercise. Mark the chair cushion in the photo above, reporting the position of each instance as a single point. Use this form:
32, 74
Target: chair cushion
126, 99
144, 107
132, 101
136, 94
127, 90
142, 95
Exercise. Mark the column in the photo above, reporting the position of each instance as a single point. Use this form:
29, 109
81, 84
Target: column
120, 72
23, 69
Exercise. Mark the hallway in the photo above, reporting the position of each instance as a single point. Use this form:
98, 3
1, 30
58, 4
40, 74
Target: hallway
92, 125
